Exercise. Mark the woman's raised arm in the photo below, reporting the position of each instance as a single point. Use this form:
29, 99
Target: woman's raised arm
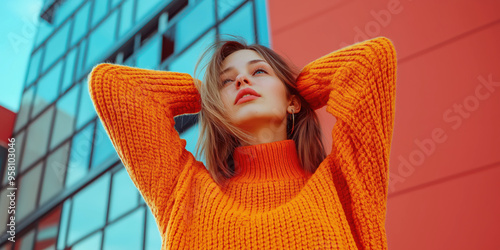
137, 107
358, 85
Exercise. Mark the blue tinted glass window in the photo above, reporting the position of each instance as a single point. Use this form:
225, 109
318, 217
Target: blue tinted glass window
149, 55
79, 158
56, 46
34, 66
65, 9
126, 233
240, 24
101, 40
104, 153
262, 24
153, 237
63, 225
47, 87
38, 136
27, 198
22, 116
65, 116
55, 167
89, 209
191, 136
226, 6
186, 61
81, 23
126, 21
44, 30
145, 7
194, 24
92, 242
86, 111
100, 10
69, 69
123, 195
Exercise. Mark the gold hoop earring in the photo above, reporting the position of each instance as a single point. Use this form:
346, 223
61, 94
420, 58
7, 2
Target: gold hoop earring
293, 121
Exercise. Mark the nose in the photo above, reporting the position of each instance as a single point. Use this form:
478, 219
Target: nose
240, 79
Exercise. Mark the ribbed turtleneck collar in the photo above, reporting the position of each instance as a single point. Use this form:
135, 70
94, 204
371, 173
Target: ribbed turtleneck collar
268, 161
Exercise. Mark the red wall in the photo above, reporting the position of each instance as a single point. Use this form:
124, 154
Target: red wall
7, 119
445, 196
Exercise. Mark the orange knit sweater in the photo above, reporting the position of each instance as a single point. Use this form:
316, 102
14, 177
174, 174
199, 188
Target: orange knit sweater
272, 203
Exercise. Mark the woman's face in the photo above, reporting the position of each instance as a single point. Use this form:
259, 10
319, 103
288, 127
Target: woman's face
266, 108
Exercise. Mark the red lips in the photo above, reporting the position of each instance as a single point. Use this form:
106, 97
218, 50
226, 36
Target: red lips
243, 92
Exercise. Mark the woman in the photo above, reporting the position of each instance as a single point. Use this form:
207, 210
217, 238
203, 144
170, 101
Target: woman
269, 184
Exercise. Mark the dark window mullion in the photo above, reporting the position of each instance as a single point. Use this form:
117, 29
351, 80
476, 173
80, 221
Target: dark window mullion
37, 224
134, 14
106, 222
69, 222
93, 145
254, 14
45, 157
217, 31
65, 56
78, 104
145, 227
118, 22
26, 127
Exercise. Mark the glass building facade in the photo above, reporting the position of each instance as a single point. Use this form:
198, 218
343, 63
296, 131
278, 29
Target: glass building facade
72, 191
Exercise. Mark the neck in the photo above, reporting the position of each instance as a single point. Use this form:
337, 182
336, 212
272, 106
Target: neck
266, 134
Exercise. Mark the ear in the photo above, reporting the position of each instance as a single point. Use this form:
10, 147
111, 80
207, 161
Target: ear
293, 103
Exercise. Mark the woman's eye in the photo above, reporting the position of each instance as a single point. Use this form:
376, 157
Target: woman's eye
260, 70
255, 73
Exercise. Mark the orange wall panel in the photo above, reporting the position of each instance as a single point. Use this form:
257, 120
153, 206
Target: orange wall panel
7, 119
448, 88
458, 213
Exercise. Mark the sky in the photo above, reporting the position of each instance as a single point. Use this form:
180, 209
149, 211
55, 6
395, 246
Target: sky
18, 26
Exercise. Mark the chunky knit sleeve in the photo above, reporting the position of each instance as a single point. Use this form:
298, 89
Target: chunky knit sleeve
137, 107
358, 83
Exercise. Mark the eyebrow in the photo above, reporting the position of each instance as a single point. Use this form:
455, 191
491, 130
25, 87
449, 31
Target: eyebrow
249, 62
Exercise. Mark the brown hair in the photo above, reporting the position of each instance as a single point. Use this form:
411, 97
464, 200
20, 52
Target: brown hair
218, 137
